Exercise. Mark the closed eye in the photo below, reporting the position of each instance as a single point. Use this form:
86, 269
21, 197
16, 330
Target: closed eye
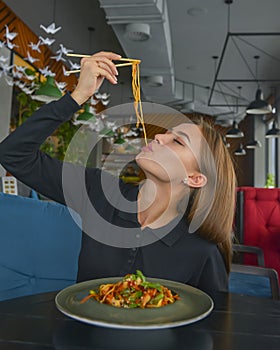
179, 142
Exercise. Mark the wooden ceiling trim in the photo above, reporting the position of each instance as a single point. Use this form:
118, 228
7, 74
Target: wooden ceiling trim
24, 38
6, 18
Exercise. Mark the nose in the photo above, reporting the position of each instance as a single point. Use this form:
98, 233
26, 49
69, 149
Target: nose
163, 139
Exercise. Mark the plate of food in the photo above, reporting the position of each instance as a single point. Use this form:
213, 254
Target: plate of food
134, 302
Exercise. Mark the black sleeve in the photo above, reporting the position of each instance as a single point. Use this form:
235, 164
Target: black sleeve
214, 275
20, 154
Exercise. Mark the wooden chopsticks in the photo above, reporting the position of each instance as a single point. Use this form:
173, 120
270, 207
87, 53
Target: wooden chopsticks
129, 62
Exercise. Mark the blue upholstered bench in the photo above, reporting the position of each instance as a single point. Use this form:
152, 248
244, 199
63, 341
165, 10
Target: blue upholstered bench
39, 246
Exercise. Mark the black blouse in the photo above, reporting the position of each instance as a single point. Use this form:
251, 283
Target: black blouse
113, 243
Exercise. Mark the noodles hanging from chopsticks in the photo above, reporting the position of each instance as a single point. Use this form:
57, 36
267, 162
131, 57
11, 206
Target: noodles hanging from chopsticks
136, 89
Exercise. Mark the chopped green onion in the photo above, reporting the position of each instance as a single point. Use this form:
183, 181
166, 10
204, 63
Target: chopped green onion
152, 285
133, 305
157, 298
140, 274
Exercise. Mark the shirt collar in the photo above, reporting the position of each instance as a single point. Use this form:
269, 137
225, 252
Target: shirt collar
168, 234
172, 232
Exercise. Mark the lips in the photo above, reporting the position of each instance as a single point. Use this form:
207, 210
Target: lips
148, 148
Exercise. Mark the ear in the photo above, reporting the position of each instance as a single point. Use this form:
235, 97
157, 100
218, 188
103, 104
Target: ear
197, 180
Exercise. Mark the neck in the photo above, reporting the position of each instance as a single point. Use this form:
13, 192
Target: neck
157, 204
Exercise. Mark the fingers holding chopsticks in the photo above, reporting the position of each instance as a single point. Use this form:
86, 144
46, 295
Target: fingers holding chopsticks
128, 61
104, 61
93, 71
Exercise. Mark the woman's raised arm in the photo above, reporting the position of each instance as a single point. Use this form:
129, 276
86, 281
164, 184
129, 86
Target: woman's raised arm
19, 152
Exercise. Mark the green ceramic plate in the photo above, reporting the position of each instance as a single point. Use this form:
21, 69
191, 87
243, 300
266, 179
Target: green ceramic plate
193, 306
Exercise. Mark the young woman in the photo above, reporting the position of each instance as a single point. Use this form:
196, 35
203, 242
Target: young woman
176, 225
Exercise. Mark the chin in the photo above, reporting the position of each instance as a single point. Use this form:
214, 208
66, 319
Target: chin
141, 157
140, 160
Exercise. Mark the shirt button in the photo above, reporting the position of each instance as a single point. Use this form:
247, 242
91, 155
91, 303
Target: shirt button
129, 261
138, 235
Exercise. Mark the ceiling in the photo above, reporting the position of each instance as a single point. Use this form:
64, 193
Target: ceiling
185, 36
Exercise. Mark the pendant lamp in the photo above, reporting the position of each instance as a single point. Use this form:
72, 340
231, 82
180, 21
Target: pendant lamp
253, 144
259, 105
240, 151
273, 132
234, 132
48, 91
86, 115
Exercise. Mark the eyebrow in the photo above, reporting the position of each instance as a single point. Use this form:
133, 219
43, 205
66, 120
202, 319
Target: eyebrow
181, 133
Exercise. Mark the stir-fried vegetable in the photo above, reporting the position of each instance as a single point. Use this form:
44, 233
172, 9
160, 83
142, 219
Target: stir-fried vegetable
133, 291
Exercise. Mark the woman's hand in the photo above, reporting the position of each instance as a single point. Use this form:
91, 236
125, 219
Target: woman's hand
93, 71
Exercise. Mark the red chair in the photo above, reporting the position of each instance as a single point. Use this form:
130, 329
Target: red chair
259, 223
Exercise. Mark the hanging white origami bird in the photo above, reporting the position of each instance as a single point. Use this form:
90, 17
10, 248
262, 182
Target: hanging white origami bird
47, 41
105, 102
58, 57
28, 91
35, 47
9, 35
20, 84
74, 65
3, 59
20, 68
51, 29
93, 101
61, 85
30, 76
65, 72
6, 68
17, 74
30, 58
63, 50
10, 45
101, 96
46, 72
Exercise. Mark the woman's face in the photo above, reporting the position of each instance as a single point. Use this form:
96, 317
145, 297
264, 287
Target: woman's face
173, 156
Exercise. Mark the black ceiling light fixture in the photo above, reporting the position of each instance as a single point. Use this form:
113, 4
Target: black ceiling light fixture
234, 132
253, 144
240, 151
239, 46
274, 131
259, 105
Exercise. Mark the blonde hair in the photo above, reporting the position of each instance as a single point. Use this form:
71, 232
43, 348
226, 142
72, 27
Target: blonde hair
217, 224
